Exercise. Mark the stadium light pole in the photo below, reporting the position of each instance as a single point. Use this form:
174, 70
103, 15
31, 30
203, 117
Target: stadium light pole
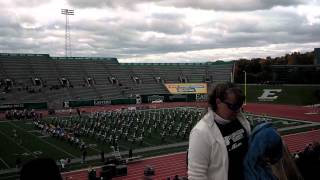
67, 13
245, 87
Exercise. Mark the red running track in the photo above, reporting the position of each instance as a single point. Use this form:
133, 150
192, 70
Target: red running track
165, 166
297, 142
170, 165
286, 111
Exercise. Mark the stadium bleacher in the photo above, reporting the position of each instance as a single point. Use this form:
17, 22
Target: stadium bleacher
41, 78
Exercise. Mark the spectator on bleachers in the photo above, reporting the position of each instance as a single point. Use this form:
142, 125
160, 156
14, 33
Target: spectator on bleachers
218, 143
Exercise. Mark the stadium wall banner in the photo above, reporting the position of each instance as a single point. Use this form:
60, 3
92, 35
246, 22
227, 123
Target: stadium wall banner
101, 102
269, 94
123, 101
154, 98
201, 97
290, 94
42, 105
11, 106
178, 98
81, 103
168, 98
187, 88
98, 102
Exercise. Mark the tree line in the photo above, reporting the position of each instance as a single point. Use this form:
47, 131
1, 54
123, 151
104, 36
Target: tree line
262, 70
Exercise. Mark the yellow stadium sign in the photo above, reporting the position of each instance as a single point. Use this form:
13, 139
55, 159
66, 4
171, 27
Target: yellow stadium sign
187, 88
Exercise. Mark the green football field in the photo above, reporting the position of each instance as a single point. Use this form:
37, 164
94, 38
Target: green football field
22, 138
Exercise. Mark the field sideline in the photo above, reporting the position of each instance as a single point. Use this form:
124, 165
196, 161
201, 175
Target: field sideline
31, 143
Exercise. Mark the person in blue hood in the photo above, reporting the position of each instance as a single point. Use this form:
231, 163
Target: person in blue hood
265, 149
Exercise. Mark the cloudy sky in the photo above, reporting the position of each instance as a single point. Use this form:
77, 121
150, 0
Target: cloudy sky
162, 30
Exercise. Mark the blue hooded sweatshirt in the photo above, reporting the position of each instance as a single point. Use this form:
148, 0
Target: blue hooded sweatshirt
264, 142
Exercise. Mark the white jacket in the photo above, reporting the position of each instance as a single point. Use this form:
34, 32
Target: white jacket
207, 154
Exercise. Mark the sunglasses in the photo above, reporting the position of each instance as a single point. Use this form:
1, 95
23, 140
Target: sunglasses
233, 107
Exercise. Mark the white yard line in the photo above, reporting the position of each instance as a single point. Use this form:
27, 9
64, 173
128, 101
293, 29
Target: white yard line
4, 121
34, 131
58, 148
4, 163
24, 148
45, 136
145, 142
95, 149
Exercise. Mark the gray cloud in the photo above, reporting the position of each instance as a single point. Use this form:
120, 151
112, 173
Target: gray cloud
29, 3
88, 4
105, 3
217, 5
159, 34
232, 5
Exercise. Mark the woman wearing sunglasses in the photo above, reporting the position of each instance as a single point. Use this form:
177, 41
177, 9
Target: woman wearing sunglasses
219, 141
